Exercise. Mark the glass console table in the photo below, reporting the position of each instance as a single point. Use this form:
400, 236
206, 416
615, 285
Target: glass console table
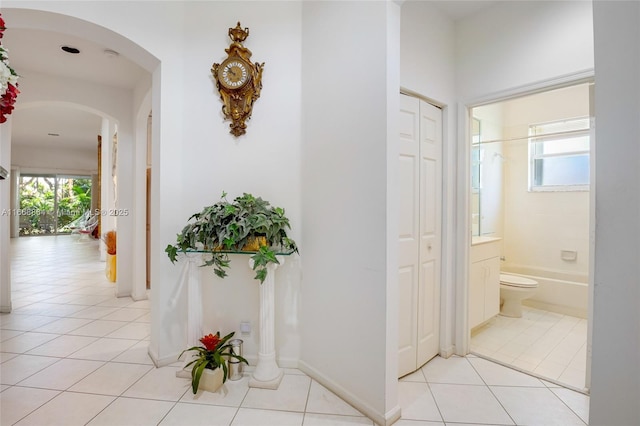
267, 374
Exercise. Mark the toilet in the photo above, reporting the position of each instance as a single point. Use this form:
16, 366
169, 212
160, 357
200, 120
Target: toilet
513, 290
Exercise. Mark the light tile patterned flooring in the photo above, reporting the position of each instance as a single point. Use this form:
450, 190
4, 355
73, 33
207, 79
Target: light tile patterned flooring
547, 344
73, 354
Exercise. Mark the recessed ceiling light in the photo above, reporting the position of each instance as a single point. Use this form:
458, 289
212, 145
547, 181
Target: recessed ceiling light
53, 134
70, 49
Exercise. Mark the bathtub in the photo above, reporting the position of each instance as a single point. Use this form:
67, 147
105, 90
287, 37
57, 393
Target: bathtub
567, 295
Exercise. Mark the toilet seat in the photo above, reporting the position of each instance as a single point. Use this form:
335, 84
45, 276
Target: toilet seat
516, 281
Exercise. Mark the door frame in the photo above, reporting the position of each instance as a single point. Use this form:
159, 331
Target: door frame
463, 226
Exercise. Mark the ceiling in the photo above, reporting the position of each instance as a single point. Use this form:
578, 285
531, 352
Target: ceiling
38, 51
460, 9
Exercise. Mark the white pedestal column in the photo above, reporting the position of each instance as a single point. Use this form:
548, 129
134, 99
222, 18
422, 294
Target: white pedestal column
190, 277
267, 374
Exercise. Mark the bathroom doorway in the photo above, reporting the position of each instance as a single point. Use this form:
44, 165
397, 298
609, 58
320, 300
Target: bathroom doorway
530, 223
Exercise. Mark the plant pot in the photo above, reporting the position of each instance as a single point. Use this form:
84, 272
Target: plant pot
211, 380
110, 267
255, 243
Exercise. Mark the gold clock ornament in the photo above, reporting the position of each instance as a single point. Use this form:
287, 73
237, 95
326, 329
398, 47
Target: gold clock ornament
238, 80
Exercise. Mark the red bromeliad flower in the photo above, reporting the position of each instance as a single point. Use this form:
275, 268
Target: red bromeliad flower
211, 341
1, 26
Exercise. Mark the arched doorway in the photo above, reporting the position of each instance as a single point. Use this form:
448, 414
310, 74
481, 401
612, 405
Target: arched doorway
48, 81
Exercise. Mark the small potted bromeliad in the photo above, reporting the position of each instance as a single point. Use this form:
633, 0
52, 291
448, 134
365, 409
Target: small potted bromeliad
210, 369
247, 223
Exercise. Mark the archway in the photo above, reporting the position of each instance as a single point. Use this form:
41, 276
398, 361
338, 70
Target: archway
121, 107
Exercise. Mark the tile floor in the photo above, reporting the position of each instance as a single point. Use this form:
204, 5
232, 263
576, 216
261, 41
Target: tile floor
547, 344
73, 354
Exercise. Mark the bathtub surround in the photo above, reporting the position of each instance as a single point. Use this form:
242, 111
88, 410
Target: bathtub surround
559, 293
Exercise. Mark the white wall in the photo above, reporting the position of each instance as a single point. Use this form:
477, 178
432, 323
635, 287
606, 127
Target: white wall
518, 43
5, 205
427, 52
265, 161
346, 86
615, 374
427, 69
539, 225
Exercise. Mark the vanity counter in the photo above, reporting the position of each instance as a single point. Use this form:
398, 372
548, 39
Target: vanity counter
483, 240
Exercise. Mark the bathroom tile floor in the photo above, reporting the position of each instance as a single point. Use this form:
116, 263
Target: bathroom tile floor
71, 353
547, 344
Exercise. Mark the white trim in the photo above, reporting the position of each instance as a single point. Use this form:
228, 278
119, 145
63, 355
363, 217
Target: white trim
572, 79
386, 419
164, 361
463, 229
559, 188
592, 233
462, 336
447, 235
408, 92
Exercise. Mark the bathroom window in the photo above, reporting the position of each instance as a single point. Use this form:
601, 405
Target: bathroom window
559, 156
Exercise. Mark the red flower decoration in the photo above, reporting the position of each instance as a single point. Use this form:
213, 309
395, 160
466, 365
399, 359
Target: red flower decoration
7, 100
211, 341
8, 82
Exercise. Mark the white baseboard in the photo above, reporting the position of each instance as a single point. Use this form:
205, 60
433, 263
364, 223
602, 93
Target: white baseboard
559, 309
446, 352
164, 361
381, 419
252, 359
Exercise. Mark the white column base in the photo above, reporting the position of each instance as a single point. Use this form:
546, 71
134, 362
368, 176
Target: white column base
269, 384
267, 374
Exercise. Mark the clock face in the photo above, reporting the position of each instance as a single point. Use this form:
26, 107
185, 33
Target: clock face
234, 74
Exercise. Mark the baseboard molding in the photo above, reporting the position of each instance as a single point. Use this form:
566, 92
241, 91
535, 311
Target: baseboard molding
447, 351
252, 359
559, 309
164, 361
386, 419
139, 296
288, 362
123, 293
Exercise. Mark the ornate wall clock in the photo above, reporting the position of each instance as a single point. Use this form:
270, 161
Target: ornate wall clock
238, 80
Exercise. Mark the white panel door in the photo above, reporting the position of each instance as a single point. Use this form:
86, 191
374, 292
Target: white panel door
419, 239
409, 233
430, 231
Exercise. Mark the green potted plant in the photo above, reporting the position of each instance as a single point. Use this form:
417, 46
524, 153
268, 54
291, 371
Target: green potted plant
214, 354
247, 223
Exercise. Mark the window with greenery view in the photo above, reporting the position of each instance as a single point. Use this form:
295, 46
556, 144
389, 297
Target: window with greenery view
49, 203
